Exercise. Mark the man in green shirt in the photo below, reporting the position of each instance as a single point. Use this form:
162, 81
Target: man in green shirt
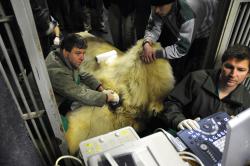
69, 84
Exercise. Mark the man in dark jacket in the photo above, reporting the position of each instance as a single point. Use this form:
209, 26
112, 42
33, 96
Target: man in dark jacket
204, 92
71, 86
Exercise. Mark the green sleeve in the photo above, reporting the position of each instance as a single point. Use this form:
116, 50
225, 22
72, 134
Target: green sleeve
63, 83
89, 80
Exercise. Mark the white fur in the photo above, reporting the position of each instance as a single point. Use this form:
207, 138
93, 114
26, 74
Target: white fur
142, 88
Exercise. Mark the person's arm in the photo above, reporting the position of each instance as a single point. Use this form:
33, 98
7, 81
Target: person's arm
63, 83
100, 88
186, 35
176, 101
57, 30
152, 33
56, 40
183, 44
153, 29
89, 80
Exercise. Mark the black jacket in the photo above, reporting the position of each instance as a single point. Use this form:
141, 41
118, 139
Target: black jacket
196, 96
41, 15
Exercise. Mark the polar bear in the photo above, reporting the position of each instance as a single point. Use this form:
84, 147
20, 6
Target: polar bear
141, 87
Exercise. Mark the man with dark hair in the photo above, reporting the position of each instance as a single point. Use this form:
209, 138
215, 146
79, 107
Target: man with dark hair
205, 92
74, 88
179, 24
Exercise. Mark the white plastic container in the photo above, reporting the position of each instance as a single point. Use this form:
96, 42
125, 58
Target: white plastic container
107, 56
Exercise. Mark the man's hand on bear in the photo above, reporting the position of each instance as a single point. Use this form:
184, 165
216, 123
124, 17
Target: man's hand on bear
111, 96
148, 55
107, 91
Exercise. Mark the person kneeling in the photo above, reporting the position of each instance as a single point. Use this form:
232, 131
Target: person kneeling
72, 87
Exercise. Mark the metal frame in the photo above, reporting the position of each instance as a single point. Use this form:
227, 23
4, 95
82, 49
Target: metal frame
26, 23
2, 71
29, 115
24, 17
229, 24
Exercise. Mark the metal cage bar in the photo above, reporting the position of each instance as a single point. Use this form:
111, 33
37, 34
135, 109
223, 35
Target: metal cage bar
242, 30
20, 112
237, 25
20, 65
246, 32
12, 70
26, 27
25, 20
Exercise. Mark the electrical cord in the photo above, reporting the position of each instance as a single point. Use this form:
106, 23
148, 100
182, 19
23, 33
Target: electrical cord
179, 146
185, 158
68, 157
164, 132
185, 154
